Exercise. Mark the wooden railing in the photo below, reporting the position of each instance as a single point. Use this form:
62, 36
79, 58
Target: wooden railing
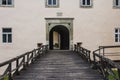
103, 50
105, 65
84, 53
21, 62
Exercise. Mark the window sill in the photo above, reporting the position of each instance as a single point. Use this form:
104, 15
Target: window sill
116, 7
86, 6
6, 5
52, 6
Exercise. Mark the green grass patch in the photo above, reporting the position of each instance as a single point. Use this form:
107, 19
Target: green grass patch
111, 77
6, 78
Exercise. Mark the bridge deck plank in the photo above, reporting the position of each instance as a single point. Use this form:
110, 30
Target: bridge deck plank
59, 65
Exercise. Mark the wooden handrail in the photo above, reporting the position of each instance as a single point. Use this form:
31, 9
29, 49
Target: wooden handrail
105, 65
83, 52
103, 49
109, 61
26, 59
112, 46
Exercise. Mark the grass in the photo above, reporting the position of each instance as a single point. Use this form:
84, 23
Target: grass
5, 78
110, 77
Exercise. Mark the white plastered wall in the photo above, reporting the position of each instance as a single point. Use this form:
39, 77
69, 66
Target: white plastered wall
92, 26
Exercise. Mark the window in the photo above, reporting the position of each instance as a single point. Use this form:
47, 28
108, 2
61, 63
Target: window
52, 3
6, 2
7, 35
116, 3
117, 34
86, 3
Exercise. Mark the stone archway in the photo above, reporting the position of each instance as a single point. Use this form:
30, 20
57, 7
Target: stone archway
66, 23
61, 39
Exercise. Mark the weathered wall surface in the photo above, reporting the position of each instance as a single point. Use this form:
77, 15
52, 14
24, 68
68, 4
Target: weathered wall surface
92, 26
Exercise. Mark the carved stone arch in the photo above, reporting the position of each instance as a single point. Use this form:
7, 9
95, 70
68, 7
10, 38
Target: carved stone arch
66, 22
53, 25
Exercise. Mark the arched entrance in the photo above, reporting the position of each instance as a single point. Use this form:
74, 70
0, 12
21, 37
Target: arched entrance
59, 33
59, 38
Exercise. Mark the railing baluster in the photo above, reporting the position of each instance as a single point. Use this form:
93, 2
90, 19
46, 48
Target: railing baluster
17, 67
94, 61
103, 51
118, 73
24, 64
32, 57
27, 63
10, 71
35, 53
39, 53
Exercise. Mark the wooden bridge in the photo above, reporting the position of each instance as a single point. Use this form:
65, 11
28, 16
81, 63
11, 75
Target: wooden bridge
59, 65
41, 64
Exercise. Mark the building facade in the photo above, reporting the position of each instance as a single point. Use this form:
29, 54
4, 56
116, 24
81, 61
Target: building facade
58, 23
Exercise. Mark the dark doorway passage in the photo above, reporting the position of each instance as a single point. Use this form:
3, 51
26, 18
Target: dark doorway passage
59, 38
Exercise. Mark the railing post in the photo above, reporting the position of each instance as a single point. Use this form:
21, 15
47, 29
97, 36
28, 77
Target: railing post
89, 57
102, 65
75, 47
79, 43
24, 64
27, 63
94, 61
17, 67
103, 51
119, 73
35, 53
42, 49
38, 54
78, 46
46, 48
39, 45
10, 71
32, 57
99, 50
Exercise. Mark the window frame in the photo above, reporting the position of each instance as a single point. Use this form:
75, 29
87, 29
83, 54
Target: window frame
8, 36
117, 35
52, 5
114, 4
86, 5
7, 5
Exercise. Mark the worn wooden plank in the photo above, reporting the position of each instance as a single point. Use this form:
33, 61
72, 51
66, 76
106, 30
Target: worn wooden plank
59, 65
